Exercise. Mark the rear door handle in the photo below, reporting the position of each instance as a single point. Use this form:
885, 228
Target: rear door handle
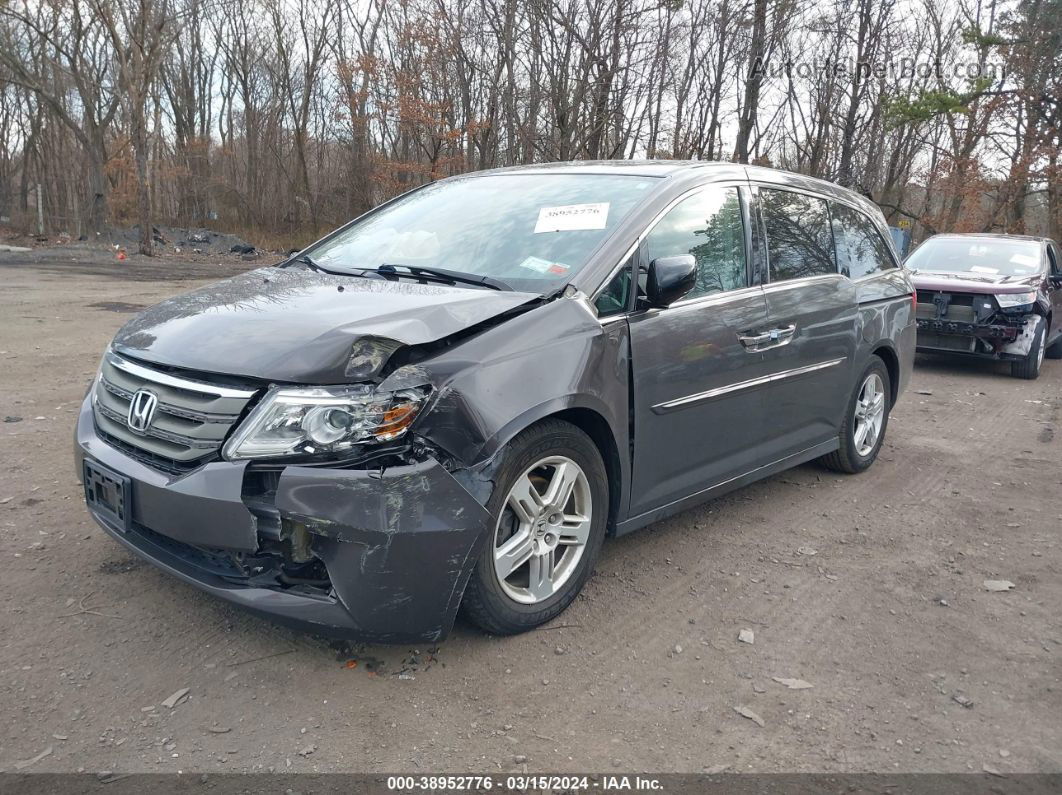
773, 338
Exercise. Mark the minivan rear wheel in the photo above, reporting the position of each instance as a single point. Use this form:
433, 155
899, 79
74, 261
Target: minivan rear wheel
863, 429
550, 509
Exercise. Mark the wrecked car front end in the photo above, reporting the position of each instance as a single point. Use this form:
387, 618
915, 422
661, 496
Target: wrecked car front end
378, 547
374, 542
989, 325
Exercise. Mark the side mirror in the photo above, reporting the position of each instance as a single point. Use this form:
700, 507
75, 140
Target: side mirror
669, 279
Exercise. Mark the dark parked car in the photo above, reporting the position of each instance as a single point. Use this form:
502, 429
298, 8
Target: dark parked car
993, 296
453, 399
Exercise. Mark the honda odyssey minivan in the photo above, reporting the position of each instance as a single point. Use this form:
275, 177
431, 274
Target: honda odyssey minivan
451, 401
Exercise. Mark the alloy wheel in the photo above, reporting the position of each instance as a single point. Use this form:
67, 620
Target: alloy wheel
869, 414
543, 530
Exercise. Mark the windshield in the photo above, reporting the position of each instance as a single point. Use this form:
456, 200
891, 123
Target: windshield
977, 256
532, 231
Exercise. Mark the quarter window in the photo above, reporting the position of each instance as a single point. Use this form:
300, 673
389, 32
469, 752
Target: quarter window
612, 300
799, 241
707, 225
860, 249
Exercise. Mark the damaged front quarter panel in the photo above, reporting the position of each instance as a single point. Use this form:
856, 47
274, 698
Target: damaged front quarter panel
554, 359
1021, 346
399, 543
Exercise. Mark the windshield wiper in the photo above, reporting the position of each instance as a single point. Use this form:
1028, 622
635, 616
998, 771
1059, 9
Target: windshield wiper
443, 275
306, 259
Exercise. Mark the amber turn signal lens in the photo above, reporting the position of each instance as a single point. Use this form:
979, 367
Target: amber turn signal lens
395, 420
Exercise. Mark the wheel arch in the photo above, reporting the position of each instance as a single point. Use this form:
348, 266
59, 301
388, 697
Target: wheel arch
591, 420
888, 356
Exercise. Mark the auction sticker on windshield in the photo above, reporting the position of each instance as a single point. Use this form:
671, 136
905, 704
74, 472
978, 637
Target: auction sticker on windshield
572, 217
539, 265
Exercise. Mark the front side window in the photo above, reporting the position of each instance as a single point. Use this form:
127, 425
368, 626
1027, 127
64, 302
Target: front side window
799, 241
707, 225
532, 231
860, 249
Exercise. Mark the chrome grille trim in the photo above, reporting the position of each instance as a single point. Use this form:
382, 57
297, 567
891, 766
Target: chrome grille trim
166, 379
166, 436
191, 421
176, 411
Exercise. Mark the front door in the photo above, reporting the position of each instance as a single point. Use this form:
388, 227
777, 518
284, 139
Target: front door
697, 388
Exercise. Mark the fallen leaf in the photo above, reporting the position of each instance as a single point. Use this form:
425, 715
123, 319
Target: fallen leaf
792, 684
176, 698
745, 712
352, 664
992, 771
807, 551
998, 585
219, 730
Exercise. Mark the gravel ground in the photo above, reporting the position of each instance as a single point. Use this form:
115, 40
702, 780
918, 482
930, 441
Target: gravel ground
868, 588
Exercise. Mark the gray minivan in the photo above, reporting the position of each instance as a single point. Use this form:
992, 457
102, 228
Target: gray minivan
451, 401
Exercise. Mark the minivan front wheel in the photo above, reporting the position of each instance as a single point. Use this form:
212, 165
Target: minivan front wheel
867, 416
550, 508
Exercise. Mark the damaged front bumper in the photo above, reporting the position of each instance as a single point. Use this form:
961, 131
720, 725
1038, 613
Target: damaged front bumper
380, 555
1002, 337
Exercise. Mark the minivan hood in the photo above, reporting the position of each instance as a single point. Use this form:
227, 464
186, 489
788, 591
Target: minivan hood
973, 282
297, 325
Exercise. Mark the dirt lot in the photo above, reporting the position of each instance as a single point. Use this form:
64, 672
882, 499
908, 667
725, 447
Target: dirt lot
870, 588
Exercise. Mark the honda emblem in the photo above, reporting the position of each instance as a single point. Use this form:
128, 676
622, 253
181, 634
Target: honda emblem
141, 410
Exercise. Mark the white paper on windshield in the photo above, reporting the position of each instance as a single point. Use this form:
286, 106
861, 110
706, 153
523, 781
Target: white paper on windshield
572, 217
539, 265
983, 269
1024, 259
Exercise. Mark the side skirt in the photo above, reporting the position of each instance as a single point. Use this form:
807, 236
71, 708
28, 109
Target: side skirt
718, 490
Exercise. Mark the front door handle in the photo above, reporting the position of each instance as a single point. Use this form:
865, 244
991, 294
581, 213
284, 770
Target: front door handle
772, 338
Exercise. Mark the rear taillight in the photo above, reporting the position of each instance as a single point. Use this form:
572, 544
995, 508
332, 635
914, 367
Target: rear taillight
914, 301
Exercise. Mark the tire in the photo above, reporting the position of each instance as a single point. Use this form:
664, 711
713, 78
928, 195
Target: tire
1029, 367
852, 456
506, 606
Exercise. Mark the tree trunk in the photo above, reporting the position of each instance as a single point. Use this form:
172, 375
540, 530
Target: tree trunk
753, 80
143, 192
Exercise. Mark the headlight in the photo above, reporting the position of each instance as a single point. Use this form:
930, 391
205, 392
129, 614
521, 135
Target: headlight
1016, 299
323, 420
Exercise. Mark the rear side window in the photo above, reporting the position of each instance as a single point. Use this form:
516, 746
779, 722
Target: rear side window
708, 226
860, 249
799, 241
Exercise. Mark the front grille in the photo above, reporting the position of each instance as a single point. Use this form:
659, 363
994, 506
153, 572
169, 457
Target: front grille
190, 423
